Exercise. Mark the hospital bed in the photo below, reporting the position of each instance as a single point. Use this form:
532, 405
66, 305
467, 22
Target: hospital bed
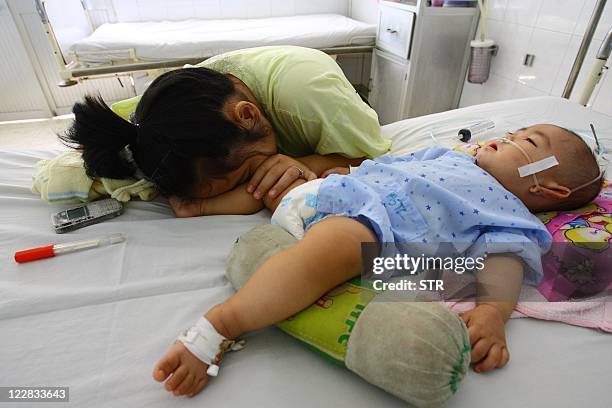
98, 320
128, 47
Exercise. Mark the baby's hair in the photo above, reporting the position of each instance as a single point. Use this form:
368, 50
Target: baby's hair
576, 170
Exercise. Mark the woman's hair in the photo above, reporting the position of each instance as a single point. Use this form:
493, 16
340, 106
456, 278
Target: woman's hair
180, 135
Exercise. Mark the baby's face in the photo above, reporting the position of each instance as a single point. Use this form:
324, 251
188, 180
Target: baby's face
502, 160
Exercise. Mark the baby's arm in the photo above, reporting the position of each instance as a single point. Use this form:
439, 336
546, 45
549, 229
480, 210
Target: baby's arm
500, 285
234, 202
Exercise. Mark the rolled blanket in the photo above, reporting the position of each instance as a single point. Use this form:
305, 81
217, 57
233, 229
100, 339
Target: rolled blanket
63, 180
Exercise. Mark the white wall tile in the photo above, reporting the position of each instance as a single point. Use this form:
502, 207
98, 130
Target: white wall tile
283, 8
321, 6
472, 94
207, 9
234, 9
559, 15
512, 40
603, 100
549, 49
96, 4
260, 8
524, 91
497, 89
151, 10
126, 10
180, 10
524, 12
552, 30
497, 9
365, 10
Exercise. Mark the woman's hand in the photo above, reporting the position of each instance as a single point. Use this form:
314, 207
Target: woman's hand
275, 174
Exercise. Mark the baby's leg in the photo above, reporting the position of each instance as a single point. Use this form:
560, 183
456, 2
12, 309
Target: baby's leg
288, 282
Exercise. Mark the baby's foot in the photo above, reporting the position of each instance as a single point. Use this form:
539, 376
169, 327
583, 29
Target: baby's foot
188, 372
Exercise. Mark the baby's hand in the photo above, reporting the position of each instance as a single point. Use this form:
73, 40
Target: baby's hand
487, 336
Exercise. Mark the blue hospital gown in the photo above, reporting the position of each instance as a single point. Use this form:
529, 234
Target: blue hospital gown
435, 196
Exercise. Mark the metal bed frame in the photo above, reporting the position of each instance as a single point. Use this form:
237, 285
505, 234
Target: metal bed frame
74, 71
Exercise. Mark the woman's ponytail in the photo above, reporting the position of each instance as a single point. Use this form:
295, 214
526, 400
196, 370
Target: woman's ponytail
101, 135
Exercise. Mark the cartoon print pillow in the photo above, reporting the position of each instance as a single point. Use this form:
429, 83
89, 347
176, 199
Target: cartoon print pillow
578, 263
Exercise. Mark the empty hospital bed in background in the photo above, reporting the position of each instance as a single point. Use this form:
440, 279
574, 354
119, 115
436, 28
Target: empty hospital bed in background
97, 321
128, 47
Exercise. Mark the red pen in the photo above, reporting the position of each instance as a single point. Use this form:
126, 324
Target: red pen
49, 251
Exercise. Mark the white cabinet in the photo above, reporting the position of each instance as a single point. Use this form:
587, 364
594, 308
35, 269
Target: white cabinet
391, 78
421, 59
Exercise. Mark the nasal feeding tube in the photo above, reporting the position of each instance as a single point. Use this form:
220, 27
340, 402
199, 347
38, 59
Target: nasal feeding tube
532, 167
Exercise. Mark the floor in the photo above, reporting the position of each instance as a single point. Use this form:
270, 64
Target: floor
33, 134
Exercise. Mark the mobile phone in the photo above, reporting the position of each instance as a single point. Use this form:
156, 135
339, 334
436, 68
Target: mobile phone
86, 214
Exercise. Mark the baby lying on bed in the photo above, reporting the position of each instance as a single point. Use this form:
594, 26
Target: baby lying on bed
481, 205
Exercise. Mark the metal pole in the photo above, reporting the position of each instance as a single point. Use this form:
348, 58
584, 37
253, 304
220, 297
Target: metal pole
584, 47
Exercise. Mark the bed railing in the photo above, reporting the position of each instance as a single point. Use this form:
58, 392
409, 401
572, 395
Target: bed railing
582, 51
71, 72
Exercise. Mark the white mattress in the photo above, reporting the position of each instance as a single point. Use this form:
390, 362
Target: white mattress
97, 321
166, 40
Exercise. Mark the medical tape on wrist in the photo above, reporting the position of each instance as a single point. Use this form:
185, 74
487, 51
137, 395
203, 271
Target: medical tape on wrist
536, 167
204, 342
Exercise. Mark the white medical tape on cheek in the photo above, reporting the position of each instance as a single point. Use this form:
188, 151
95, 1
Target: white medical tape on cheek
536, 167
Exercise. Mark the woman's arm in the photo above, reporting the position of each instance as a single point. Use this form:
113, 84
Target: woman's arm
240, 201
234, 202
319, 164
277, 172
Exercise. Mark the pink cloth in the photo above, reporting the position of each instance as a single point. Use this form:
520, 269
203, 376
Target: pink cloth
595, 313
578, 265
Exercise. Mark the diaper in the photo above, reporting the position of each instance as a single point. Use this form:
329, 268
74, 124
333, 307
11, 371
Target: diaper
298, 209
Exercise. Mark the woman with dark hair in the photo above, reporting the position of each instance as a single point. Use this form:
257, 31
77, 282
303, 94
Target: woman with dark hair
244, 124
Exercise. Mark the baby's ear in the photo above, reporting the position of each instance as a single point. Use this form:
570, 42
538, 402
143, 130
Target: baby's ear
551, 190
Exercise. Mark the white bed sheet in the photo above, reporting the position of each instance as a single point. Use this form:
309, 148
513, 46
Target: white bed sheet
164, 40
97, 321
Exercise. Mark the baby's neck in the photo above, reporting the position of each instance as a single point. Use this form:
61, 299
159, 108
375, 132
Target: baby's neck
533, 208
